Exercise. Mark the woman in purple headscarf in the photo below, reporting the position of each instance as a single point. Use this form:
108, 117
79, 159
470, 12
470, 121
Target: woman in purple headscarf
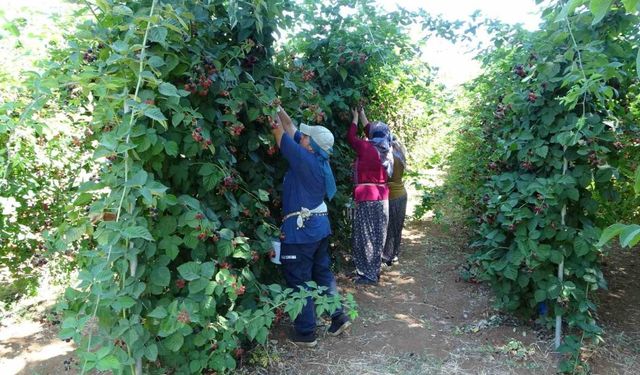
372, 168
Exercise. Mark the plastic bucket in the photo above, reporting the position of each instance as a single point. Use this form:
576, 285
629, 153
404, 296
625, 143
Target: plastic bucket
276, 248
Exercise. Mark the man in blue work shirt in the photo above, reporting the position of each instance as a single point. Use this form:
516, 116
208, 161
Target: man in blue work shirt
304, 251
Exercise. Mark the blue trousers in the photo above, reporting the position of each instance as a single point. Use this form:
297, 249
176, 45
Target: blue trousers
308, 262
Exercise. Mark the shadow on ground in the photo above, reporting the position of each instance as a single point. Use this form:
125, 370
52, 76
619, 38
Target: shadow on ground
422, 319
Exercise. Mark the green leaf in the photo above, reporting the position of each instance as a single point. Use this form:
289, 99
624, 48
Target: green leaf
174, 342
120, 46
226, 234
542, 151
159, 313
155, 61
631, 5
177, 118
609, 233
599, 8
160, 276
168, 89
198, 285
151, 352
12, 28
158, 34
630, 236
343, 73
189, 271
540, 295
123, 302
121, 10
155, 113
138, 232
636, 186
109, 362
253, 113
573, 194
263, 195
139, 179
569, 8
170, 246
510, 272
581, 246
171, 148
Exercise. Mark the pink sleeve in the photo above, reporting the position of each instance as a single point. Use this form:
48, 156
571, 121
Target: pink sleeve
352, 138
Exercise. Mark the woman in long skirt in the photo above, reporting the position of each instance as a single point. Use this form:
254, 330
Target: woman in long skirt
372, 168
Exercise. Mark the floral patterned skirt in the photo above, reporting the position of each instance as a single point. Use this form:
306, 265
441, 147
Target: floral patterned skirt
368, 235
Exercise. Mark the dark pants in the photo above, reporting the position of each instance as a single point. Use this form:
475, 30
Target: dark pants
307, 262
397, 214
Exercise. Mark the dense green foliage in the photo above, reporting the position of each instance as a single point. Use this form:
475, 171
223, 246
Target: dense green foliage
174, 220
546, 155
42, 152
141, 152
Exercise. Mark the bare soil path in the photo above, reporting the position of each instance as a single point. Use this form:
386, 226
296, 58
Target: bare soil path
422, 319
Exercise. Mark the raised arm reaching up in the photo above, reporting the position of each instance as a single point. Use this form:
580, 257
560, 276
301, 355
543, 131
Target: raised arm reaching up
287, 124
363, 118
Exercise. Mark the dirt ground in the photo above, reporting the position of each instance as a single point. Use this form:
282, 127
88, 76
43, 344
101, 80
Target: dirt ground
420, 319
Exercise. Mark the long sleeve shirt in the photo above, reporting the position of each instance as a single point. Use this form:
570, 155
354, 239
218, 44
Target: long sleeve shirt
303, 187
369, 174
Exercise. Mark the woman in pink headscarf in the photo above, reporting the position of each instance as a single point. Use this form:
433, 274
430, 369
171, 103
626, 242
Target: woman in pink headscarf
372, 168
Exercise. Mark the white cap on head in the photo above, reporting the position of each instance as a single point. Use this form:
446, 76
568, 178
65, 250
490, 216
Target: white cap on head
320, 135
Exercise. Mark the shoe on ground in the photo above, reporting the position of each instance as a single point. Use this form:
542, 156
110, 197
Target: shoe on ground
364, 281
307, 341
338, 325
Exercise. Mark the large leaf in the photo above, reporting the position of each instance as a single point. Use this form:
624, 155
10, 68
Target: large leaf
630, 235
155, 113
158, 34
599, 8
138, 232
631, 5
151, 352
160, 276
109, 362
569, 8
609, 233
174, 342
189, 271
167, 89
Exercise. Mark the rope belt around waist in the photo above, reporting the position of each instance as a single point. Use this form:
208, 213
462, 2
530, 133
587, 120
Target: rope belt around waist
371, 184
306, 213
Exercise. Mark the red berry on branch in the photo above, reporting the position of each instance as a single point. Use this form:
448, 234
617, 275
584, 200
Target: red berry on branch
238, 353
240, 290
